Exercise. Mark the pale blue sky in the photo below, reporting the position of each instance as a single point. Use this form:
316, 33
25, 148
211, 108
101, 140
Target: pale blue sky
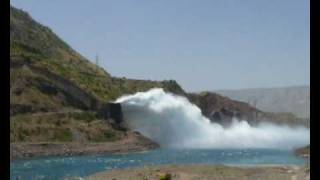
203, 44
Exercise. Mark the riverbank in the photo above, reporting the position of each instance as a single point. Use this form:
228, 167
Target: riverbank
133, 143
189, 172
303, 152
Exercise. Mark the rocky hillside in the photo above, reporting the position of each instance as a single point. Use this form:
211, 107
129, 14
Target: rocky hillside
54, 91
295, 99
42, 65
303, 152
222, 109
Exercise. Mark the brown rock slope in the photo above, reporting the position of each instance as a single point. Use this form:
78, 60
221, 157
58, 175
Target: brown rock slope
222, 109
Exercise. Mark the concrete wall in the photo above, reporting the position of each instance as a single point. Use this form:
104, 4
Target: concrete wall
111, 111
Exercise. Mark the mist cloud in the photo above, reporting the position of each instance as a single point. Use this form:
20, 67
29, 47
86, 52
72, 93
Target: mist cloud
174, 122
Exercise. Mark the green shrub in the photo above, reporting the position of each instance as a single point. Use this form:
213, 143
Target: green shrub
84, 116
103, 137
62, 135
165, 176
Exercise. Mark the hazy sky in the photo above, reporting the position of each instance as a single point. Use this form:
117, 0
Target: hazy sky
203, 44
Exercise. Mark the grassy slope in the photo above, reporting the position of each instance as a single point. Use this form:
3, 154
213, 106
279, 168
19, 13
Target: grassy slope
44, 49
63, 127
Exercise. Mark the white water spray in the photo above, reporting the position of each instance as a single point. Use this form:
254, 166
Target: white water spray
173, 122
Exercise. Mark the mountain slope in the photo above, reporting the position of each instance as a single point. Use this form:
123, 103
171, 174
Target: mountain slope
295, 99
55, 92
222, 110
39, 58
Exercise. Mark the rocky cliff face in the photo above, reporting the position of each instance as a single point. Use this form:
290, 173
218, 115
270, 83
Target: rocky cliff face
222, 109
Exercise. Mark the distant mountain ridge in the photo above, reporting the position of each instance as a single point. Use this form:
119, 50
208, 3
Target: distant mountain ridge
291, 99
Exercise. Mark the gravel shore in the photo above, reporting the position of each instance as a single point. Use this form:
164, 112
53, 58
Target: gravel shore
206, 172
134, 143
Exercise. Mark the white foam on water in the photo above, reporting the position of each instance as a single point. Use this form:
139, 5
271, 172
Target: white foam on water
174, 122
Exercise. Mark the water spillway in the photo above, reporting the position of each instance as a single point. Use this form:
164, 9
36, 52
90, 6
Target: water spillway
111, 111
174, 122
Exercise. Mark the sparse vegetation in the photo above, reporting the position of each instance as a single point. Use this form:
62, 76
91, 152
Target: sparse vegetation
203, 172
61, 128
303, 151
34, 45
165, 176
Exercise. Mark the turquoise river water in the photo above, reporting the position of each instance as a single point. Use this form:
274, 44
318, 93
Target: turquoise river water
81, 166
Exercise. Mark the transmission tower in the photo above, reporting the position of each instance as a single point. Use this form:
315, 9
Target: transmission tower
97, 60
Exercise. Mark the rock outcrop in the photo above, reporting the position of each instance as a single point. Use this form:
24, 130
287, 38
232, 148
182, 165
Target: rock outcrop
222, 110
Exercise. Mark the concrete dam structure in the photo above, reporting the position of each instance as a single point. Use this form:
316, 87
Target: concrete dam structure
111, 111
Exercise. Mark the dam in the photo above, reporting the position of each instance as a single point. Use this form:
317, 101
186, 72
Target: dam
111, 111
